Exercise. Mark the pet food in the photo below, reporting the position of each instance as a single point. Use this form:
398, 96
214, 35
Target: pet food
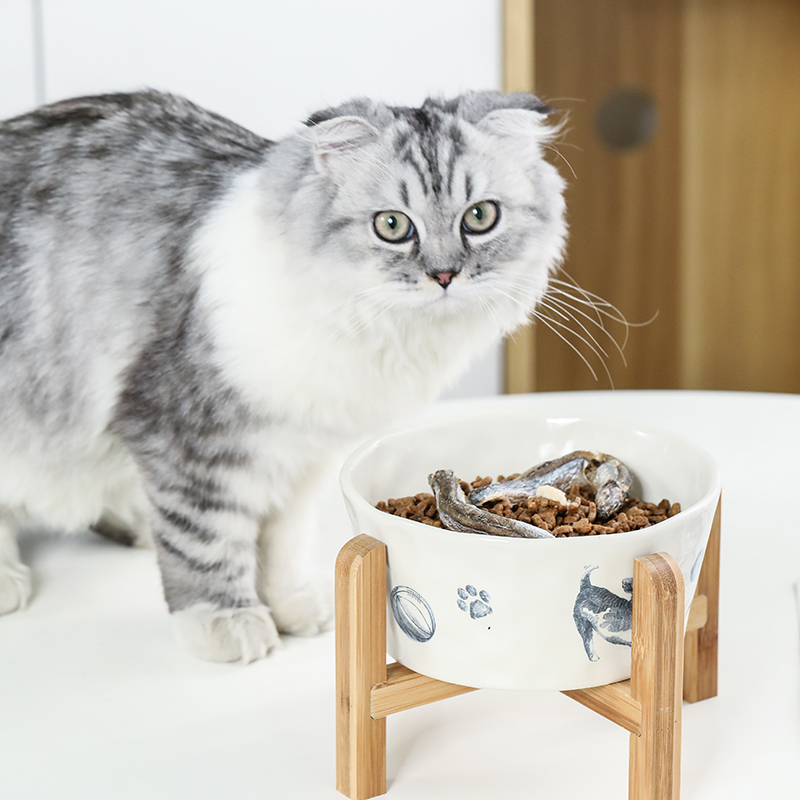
578, 518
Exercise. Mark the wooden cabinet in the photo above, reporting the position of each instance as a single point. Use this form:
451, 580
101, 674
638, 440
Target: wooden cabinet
700, 222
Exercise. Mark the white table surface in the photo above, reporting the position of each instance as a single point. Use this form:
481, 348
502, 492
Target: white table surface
96, 700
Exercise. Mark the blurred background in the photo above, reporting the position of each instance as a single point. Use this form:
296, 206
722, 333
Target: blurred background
681, 147
683, 143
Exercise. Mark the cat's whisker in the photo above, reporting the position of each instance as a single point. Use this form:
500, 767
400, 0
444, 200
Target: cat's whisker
588, 311
491, 306
344, 322
578, 295
563, 313
571, 304
366, 316
567, 311
358, 322
548, 323
595, 301
334, 318
555, 150
587, 336
511, 297
555, 303
573, 290
586, 339
554, 307
349, 319
599, 307
525, 293
554, 324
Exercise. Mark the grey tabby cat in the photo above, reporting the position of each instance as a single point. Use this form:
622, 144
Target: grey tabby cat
194, 319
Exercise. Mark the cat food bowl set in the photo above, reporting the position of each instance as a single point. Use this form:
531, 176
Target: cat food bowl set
509, 613
625, 623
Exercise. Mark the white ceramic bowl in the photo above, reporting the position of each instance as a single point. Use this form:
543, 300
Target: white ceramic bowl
504, 613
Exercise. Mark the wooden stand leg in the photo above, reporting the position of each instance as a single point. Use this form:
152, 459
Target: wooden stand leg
657, 678
700, 661
649, 705
360, 664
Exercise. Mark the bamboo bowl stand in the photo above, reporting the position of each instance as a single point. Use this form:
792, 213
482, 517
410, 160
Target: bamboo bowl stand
666, 667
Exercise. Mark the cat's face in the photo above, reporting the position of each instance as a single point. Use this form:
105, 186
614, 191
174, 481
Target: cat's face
441, 210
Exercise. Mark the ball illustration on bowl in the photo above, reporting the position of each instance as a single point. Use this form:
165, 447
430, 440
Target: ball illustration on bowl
412, 613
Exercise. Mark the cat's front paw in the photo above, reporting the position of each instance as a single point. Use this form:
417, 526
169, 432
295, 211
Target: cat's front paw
303, 612
15, 586
226, 634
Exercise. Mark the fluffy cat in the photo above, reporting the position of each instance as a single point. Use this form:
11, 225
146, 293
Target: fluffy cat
193, 319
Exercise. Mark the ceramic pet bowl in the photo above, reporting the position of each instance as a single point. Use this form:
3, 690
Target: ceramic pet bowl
497, 612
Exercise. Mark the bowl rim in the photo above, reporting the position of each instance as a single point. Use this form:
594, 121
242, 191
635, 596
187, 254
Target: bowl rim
469, 412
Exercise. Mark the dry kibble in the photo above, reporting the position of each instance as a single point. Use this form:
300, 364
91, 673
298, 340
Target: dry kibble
562, 530
577, 519
582, 526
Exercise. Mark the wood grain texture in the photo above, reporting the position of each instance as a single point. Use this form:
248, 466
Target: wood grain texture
741, 201
519, 76
698, 613
518, 64
649, 705
405, 689
623, 204
612, 701
657, 678
520, 361
360, 664
701, 648
700, 224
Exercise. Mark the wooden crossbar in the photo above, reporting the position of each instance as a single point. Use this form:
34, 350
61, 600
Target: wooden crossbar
404, 689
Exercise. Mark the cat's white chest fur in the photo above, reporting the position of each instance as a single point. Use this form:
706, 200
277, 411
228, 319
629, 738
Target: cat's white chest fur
292, 339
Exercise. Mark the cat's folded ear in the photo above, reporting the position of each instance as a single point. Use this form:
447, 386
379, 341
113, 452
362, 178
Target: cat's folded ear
337, 141
476, 106
513, 115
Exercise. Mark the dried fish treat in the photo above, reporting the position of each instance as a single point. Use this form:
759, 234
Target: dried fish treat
608, 478
458, 514
578, 518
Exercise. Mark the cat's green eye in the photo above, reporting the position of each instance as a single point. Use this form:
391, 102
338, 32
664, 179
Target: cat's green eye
393, 226
481, 217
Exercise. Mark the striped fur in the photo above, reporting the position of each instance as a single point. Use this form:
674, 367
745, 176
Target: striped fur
195, 320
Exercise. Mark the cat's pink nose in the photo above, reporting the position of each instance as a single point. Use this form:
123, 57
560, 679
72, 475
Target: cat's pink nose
444, 278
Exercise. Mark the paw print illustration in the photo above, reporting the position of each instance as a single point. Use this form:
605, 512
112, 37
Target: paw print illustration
474, 601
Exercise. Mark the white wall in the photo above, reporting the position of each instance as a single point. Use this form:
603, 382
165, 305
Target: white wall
264, 63
17, 78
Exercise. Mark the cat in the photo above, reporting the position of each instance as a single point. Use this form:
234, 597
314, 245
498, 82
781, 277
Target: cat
194, 320
598, 610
